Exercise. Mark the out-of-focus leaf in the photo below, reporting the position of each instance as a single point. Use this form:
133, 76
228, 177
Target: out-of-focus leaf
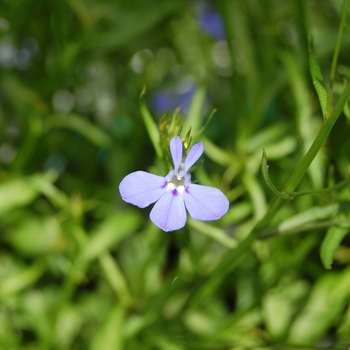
237, 212
332, 240
19, 192
48, 189
150, 125
114, 275
213, 232
281, 149
308, 216
16, 193
35, 306
199, 323
69, 324
36, 236
317, 78
128, 26
110, 232
8, 335
18, 281
165, 344
21, 94
265, 137
256, 194
279, 305
327, 300
217, 154
194, 114
111, 335
75, 122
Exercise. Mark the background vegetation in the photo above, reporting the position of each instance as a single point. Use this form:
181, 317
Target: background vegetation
81, 269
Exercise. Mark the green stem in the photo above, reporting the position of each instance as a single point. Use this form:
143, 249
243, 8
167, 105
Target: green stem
335, 56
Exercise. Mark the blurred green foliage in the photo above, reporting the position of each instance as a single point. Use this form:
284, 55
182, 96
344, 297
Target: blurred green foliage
81, 269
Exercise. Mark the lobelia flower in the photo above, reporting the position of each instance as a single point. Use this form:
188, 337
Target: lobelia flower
174, 191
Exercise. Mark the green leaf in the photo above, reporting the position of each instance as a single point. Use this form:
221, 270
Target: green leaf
256, 194
308, 216
110, 232
150, 124
18, 281
317, 78
326, 302
126, 26
114, 274
193, 118
20, 192
84, 127
213, 232
217, 154
43, 233
332, 240
111, 335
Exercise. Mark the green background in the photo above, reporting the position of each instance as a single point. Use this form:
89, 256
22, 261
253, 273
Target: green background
81, 269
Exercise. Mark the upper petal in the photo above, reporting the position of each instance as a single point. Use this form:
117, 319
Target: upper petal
193, 155
176, 152
141, 188
169, 212
205, 203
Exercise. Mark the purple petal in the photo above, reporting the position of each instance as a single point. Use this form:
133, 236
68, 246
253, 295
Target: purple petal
169, 212
176, 152
142, 189
193, 155
205, 203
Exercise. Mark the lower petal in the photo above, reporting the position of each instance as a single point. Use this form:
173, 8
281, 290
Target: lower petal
169, 212
141, 188
205, 203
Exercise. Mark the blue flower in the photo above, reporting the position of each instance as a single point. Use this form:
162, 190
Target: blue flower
210, 21
174, 191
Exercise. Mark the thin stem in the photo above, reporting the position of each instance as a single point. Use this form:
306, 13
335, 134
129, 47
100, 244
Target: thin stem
335, 56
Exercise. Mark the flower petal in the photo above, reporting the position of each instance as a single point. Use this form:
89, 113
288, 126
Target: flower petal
169, 212
193, 155
142, 189
205, 203
176, 152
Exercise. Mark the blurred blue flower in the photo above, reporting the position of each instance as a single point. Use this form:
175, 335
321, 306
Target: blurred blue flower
175, 191
209, 20
171, 99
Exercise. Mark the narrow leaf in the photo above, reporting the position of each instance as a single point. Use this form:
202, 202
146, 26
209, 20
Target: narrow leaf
84, 127
308, 216
110, 232
193, 118
317, 78
213, 232
20, 280
150, 124
110, 335
332, 240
